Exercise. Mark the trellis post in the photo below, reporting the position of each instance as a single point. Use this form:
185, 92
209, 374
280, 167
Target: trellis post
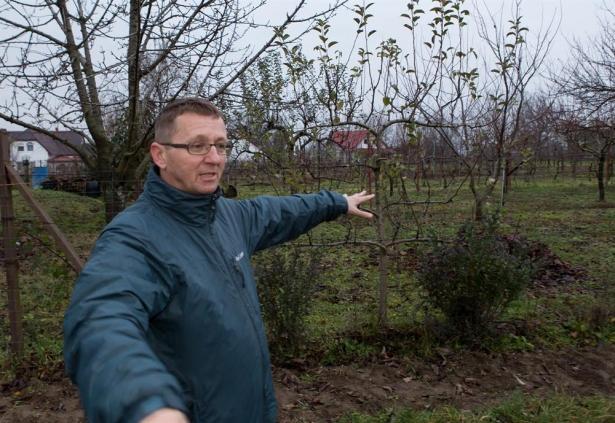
9, 243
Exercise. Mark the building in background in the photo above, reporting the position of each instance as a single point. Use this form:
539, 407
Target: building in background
351, 144
38, 157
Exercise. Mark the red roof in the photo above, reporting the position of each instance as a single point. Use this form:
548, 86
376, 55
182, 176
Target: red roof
349, 140
60, 159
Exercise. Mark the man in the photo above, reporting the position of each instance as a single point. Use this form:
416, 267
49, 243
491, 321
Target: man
164, 323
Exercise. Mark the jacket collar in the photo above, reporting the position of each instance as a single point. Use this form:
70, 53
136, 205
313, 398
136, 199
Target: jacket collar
192, 209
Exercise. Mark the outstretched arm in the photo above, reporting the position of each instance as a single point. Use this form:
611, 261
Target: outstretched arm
355, 200
123, 285
270, 220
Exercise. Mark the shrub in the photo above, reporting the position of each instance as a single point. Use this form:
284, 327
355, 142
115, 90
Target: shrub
286, 280
474, 278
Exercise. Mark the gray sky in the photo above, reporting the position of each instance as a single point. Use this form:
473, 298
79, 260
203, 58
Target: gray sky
578, 19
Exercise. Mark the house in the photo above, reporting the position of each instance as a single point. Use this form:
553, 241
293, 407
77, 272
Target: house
350, 143
243, 151
45, 156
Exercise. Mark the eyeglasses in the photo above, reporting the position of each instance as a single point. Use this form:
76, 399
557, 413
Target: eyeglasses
201, 148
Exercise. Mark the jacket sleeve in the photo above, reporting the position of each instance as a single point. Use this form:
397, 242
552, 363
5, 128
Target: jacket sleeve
122, 286
272, 220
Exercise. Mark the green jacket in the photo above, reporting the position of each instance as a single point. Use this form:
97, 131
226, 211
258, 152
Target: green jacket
166, 313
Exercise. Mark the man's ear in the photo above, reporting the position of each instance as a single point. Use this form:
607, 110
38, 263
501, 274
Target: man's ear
158, 154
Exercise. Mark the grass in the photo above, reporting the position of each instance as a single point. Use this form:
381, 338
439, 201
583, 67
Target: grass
516, 409
564, 214
568, 218
342, 328
45, 279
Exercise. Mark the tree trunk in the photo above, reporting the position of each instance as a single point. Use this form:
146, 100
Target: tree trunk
105, 174
479, 203
480, 197
418, 175
477, 211
134, 77
600, 175
609, 166
382, 253
507, 176
383, 281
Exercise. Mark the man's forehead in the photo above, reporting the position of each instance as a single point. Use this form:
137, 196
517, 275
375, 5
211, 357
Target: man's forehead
199, 125
198, 117
207, 137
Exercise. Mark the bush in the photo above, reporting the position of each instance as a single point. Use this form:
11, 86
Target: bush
473, 279
286, 280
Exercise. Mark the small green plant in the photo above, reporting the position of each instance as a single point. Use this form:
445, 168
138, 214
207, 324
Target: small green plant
348, 350
286, 280
472, 280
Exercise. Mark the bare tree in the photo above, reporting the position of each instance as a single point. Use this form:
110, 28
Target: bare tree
382, 88
586, 90
487, 136
428, 81
104, 68
516, 61
539, 136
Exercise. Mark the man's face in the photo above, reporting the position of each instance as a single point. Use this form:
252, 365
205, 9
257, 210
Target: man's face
187, 172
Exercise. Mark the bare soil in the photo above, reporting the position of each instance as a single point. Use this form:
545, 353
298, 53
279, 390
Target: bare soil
467, 380
322, 394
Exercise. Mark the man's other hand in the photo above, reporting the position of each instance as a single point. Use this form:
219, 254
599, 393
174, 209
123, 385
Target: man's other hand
166, 415
355, 200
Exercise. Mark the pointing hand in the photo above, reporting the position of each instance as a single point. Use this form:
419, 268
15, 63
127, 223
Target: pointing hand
355, 200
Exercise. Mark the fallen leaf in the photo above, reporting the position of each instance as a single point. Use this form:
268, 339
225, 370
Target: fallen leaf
519, 381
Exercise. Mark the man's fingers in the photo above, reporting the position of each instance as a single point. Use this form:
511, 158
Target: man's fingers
355, 200
361, 198
364, 214
366, 197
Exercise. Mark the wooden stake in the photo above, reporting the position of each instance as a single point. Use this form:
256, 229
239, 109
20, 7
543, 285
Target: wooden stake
10, 251
62, 242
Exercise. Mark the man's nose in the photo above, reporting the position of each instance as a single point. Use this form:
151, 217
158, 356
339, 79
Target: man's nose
213, 156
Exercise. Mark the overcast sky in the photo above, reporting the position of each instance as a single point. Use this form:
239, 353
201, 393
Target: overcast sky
576, 18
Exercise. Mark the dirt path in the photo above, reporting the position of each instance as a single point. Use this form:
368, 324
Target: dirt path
323, 394
466, 381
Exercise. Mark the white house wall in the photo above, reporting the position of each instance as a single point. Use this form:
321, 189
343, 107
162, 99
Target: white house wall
243, 151
37, 157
